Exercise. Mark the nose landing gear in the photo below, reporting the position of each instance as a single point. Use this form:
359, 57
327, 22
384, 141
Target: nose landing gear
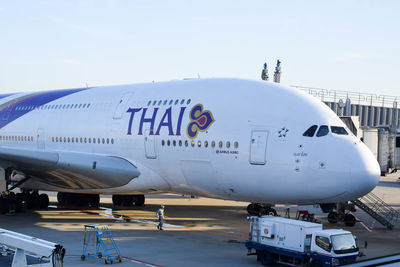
257, 209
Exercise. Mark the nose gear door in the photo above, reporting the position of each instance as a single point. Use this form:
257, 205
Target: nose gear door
258, 147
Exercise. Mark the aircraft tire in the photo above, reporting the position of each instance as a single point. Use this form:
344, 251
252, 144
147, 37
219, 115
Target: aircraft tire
127, 200
32, 200
43, 201
139, 200
332, 217
253, 209
94, 200
61, 198
349, 220
117, 200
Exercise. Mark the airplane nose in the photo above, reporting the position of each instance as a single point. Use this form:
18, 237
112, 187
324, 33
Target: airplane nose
364, 171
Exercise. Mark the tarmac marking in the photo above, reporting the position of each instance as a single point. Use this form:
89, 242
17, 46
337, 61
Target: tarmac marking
108, 213
137, 261
362, 223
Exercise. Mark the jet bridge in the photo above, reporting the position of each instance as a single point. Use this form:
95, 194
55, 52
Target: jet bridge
23, 244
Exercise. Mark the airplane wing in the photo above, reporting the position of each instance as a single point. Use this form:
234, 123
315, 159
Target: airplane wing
70, 170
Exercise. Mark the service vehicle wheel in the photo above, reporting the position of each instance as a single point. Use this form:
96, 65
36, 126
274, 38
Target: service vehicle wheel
83, 257
316, 264
266, 258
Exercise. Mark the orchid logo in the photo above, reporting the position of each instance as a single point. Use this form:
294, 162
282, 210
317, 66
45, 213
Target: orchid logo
200, 120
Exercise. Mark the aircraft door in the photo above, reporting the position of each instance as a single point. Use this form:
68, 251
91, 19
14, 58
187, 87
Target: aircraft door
40, 138
258, 147
149, 145
121, 107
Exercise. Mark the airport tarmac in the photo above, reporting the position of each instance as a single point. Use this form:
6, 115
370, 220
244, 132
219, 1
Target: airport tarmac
199, 231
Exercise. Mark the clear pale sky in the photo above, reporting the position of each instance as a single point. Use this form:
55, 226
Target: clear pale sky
343, 45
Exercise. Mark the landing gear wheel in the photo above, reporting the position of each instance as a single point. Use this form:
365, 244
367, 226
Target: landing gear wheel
253, 209
83, 257
33, 200
43, 201
61, 198
117, 200
267, 211
333, 217
94, 200
349, 220
139, 200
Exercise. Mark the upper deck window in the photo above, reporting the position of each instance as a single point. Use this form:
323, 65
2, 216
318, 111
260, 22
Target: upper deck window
339, 130
311, 131
322, 131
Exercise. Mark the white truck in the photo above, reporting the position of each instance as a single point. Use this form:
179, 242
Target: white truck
299, 243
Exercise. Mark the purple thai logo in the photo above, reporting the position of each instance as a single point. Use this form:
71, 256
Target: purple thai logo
200, 121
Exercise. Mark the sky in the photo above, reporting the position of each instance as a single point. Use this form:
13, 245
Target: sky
342, 45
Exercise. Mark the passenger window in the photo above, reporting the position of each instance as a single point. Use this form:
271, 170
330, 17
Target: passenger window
188, 102
180, 142
182, 101
322, 131
339, 130
168, 143
174, 143
192, 143
176, 101
228, 144
398, 141
310, 131
186, 142
213, 144
170, 102
199, 143
148, 103
220, 144
205, 143
162, 142
165, 102
323, 242
159, 102
236, 145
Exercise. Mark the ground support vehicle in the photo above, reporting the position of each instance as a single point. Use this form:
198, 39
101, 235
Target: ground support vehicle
299, 243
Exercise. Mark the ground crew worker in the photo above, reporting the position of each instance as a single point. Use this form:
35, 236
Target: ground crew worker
160, 215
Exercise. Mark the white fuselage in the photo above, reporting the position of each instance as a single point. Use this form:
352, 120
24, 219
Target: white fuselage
221, 138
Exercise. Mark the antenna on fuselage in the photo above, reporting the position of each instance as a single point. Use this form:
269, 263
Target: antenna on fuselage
277, 74
264, 73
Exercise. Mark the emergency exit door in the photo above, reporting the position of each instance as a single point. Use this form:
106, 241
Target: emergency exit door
149, 145
40, 139
258, 147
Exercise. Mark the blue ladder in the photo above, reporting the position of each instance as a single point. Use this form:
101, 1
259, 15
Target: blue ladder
100, 238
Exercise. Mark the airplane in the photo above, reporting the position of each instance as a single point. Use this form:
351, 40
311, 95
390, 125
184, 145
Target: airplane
233, 139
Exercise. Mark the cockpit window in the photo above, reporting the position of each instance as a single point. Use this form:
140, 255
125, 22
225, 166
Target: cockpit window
311, 131
322, 131
339, 130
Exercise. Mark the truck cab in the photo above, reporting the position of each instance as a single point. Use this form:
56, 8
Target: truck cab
333, 247
299, 243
